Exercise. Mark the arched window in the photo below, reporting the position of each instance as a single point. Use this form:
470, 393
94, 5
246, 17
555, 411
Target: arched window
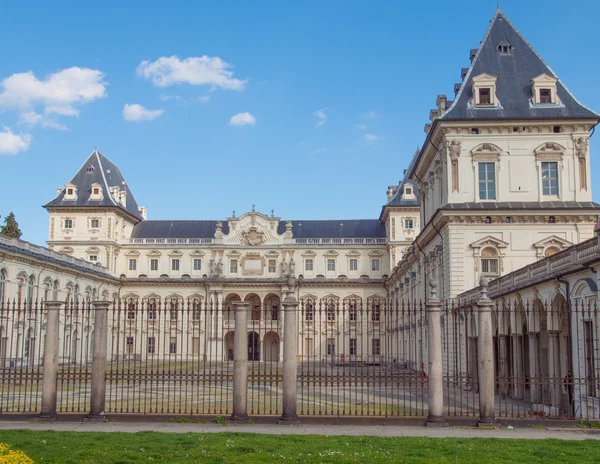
309, 310
21, 280
490, 263
30, 287
2, 285
551, 250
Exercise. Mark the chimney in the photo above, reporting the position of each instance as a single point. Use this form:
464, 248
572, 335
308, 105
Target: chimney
143, 212
115, 193
123, 198
390, 192
472, 54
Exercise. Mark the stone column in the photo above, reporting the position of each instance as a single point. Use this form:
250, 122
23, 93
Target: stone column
485, 351
518, 374
435, 379
554, 380
290, 360
240, 364
50, 378
533, 366
98, 398
503, 364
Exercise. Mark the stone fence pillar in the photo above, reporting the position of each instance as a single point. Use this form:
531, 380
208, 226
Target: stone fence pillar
50, 375
290, 360
434, 342
240, 364
485, 349
100, 341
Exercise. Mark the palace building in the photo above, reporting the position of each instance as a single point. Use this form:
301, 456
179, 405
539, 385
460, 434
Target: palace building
502, 180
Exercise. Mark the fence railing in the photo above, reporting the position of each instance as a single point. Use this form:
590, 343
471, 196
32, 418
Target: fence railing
333, 357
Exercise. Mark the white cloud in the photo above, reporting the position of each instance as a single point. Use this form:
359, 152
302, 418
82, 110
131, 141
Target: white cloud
242, 119
373, 138
137, 112
361, 126
322, 116
195, 70
319, 150
371, 115
31, 118
179, 98
60, 93
11, 143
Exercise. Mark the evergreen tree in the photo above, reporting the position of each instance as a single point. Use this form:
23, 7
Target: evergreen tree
10, 227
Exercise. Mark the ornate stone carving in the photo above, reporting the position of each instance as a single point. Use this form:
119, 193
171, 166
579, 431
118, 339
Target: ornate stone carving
581, 150
454, 148
253, 236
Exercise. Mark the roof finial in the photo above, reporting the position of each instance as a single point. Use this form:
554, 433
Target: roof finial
253, 206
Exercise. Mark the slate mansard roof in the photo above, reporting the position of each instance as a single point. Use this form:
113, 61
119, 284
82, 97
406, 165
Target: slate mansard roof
341, 228
98, 169
514, 71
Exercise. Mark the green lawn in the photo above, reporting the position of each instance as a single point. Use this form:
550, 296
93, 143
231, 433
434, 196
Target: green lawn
76, 447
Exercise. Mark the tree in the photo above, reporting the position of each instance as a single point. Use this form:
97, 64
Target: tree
10, 227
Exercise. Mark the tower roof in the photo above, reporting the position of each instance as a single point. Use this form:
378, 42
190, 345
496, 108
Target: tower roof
98, 169
514, 69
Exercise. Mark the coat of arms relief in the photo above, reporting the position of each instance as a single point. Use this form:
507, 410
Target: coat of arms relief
253, 236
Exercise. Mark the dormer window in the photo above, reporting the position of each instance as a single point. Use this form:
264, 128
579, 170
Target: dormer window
408, 191
484, 90
545, 96
70, 192
484, 96
543, 90
96, 192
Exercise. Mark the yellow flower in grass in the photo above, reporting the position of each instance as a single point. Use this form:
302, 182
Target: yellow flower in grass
9, 456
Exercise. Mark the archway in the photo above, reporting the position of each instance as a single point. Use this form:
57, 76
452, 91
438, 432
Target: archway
271, 343
255, 307
559, 352
228, 341
272, 309
229, 315
253, 346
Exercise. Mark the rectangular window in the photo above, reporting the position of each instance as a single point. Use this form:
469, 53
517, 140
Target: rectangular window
196, 311
275, 313
175, 264
331, 312
133, 264
550, 178
352, 312
309, 312
130, 344
173, 311
154, 264
197, 264
331, 264
272, 266
233, 267
353, 264
545, 96
376, 264
489, 266
173, 346
375, 347
308, 264
375, 315
353, 347
487, 181
151, 345
331, 346
93, 258
95, 223
68, 223
409, 224
484, 96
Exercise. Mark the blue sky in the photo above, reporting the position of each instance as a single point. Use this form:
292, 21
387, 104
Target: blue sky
337, 94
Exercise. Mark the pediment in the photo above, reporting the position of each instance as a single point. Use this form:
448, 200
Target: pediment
544, 78
353, 253
353, 296
132, 253
197, 253
331, 253
176, 253
486, 148
489, 241
550, 147
309, 296
552, 240
330, 297
93, 250
375, 253
309, 254
130, 296
154, 253
485, 77
253, 229
151, 296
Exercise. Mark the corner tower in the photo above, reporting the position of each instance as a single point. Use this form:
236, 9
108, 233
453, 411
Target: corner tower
93, 212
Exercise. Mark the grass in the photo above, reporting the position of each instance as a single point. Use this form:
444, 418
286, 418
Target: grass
121, 448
